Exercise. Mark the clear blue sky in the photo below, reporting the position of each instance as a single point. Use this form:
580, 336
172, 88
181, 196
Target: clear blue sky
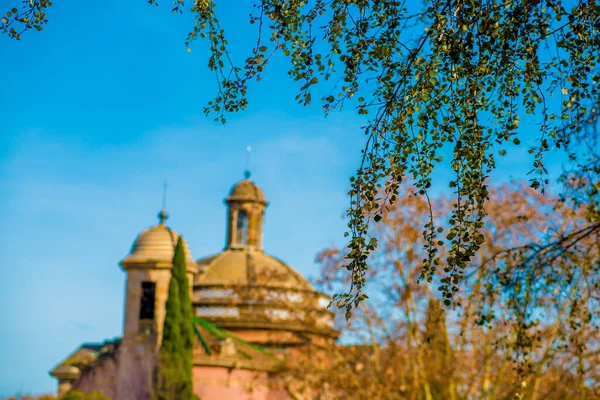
96, 112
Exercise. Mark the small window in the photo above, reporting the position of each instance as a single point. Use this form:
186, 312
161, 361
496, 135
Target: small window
242, 227
147, 301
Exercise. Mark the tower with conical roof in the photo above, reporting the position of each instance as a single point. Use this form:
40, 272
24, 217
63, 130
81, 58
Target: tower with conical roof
148, 267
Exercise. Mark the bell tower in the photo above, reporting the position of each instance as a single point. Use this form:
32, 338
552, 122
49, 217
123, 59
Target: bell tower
245, 215
148, 268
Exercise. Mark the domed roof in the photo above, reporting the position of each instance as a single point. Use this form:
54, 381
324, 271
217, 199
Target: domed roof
246, 190
248, 290
249, 267
156, 245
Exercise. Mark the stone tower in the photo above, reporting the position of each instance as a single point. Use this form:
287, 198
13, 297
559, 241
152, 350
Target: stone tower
148, 268
245, 216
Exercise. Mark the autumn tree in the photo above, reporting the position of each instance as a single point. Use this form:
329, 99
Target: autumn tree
443, 85
438, 352
518, 329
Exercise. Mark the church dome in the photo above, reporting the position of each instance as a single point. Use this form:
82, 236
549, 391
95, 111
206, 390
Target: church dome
248, 289
246, 190
156, 246
249, 268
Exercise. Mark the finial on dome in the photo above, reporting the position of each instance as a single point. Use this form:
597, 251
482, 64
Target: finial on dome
247, 171
163, 215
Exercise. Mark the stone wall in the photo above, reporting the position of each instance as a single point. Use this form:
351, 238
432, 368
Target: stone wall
103, 377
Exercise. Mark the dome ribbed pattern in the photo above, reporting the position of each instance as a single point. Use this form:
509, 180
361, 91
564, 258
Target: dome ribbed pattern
156, 245
249, 267
246, 190
249, 290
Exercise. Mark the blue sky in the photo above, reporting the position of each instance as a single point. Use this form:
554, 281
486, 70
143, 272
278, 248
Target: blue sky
96, 112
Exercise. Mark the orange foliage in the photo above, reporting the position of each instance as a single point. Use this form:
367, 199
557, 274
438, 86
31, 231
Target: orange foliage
523, 324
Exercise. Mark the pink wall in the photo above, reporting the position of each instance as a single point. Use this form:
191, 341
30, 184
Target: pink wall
210, 383
219, 383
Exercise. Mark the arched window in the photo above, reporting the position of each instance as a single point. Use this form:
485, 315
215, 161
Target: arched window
242, 228
147, 300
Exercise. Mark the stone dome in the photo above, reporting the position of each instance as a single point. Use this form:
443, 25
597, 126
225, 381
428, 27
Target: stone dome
156, 245
248, 289
249, 268
246, 190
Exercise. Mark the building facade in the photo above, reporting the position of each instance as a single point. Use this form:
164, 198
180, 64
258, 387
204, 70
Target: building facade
253, 312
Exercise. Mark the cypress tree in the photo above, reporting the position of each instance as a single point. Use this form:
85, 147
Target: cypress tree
174, 369
179, 273
170, 369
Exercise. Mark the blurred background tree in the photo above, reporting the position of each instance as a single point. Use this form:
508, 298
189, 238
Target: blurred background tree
522, 327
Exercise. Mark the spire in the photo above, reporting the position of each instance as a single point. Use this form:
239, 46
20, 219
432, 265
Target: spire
247, 171
163, 215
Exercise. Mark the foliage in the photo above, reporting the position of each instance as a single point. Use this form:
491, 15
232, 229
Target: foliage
31, 15
173, 374
520, 329
454, 77
77, 395
223, 334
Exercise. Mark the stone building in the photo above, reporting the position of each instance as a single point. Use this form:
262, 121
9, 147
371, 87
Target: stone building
254, 312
